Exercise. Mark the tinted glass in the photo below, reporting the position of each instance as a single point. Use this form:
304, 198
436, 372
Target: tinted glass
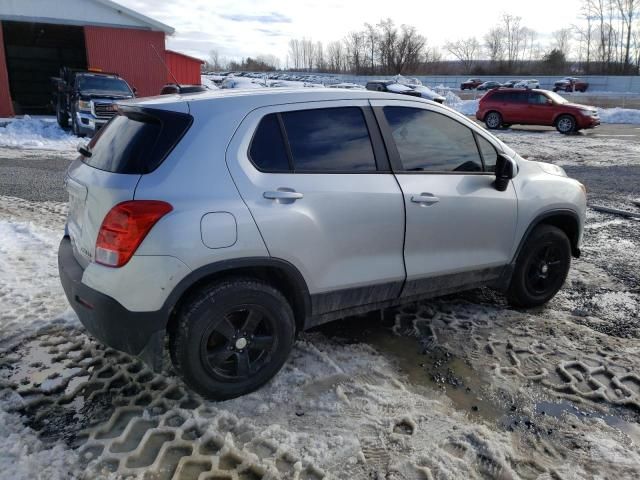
329, 139
267, 147
136, 142
489, 154
498, 96
537, 98
519, 97
429, 141
103, 84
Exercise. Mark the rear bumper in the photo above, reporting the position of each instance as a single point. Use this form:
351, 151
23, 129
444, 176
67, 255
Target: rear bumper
136, 333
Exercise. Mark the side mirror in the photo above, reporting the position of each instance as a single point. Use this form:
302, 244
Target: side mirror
505, 170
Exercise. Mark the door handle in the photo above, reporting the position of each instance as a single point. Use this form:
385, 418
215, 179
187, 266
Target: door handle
283, 194
425, 199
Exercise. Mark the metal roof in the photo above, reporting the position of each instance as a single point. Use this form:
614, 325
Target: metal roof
102, 13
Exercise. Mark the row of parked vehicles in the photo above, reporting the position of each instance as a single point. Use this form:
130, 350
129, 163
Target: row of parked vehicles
567, 84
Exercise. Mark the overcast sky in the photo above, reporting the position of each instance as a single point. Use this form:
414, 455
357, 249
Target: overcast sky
241, 28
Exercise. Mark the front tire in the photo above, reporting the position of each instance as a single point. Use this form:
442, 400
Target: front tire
232, 337
493, 120
566, 124
541, 268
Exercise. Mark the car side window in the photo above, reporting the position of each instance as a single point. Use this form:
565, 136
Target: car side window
537, 98
489, 154
432, 142
267, 151
329, 140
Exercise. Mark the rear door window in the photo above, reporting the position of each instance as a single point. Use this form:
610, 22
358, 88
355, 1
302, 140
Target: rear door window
136, 141
329, 140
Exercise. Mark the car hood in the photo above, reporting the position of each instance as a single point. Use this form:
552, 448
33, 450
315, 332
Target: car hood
579, 106
93, 94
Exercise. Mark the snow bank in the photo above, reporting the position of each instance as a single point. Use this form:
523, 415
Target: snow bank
208, 82
36, 133
619, 115
466, 107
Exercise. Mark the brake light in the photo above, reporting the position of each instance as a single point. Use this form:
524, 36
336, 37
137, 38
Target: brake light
124, 228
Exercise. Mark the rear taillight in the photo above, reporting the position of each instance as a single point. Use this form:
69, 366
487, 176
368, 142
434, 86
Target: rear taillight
124, 228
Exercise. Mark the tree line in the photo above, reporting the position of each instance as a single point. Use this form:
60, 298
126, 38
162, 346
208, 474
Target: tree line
605, 39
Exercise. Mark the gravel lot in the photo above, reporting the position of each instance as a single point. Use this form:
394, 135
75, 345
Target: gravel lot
459, 387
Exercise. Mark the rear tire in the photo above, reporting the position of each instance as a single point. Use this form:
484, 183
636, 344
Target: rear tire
541, 268
493, 120
566, 124
232, 337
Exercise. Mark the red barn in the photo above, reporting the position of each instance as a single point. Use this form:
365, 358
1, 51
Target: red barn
37, 37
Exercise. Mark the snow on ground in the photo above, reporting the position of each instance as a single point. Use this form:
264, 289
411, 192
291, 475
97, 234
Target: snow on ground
461, 387
208, 82
36, 133
619, 115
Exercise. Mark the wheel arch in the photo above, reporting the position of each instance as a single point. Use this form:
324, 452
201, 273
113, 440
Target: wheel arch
278, 273
566, 220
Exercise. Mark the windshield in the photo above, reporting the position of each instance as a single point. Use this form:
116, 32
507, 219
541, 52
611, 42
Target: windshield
103, 84
555, 97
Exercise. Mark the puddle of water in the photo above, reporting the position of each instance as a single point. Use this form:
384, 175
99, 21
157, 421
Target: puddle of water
429, 367
561, 408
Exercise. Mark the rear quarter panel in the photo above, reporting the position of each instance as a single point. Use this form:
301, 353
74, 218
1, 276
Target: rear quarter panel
195, 181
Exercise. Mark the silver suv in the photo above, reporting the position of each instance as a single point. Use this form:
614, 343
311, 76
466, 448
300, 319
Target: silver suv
226, 222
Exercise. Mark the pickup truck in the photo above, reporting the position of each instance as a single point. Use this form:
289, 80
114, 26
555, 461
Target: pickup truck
86, 100
571, 84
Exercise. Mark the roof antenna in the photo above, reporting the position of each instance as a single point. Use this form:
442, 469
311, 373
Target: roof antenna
165, 65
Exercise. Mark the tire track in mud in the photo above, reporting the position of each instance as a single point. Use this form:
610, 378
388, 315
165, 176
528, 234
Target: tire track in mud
124, 419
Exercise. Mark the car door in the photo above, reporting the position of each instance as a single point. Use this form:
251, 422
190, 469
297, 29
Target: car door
540, 111
321, 192
459, 229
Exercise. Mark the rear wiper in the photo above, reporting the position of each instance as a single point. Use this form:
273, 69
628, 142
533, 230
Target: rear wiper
84, 151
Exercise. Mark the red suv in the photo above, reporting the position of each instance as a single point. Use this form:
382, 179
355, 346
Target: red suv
505, 106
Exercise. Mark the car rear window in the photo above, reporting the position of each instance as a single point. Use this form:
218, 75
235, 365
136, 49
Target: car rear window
136, 140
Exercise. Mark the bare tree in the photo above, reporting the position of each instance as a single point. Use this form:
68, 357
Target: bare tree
493, 44
562, 41
465, 50
295, 53
628, 10
335, 56
372, 39
355, 50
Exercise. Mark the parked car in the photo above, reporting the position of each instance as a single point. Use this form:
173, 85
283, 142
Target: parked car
511, 83
226, 224
488, 85
527, 84
571, 84
390, 86
417, 86
507, 106
471, 84
86, 100
173, 88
